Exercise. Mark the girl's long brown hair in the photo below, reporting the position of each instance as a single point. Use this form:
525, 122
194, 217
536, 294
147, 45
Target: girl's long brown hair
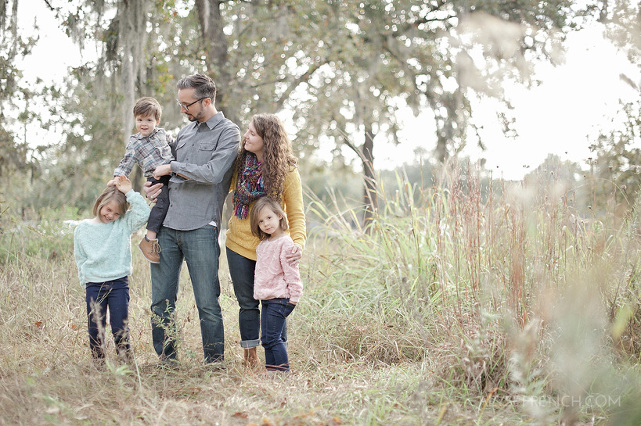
111, 193
260, 204
278, 159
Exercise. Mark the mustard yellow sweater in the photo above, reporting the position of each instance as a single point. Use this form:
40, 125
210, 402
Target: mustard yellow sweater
239, 235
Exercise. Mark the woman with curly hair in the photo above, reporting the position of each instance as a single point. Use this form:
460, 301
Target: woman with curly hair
265, 166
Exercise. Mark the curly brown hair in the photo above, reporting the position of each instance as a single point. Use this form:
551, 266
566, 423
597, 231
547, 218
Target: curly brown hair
278, 159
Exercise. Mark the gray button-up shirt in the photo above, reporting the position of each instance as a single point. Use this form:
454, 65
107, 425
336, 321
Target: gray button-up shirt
205, 153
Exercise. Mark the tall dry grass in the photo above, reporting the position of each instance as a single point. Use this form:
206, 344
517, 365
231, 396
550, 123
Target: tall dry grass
470, 302
501, 289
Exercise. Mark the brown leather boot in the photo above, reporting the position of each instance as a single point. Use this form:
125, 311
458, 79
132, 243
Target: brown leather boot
150, 249
251, 358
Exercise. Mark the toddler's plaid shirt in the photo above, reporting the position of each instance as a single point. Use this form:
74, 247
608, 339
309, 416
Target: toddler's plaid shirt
149, 152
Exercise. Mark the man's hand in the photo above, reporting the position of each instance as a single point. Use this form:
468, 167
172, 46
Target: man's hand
152, 191
162, 170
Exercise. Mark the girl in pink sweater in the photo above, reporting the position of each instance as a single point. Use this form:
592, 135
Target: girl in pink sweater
277, 282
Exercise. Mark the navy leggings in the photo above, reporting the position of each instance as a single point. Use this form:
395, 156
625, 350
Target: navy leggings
112, 296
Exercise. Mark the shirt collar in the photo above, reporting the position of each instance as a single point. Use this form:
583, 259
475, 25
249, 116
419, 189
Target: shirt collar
139, 136
213, 121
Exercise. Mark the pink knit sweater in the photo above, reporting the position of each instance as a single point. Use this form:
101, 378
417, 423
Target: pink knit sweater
274, 276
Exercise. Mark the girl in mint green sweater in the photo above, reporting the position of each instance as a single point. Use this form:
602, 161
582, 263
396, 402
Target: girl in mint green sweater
102, 248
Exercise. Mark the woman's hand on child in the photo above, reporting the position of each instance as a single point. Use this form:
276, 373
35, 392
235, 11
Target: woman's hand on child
295, 254
123, 184
152, 191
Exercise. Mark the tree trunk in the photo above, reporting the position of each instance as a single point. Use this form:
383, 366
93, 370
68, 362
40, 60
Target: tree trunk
216, 45
132, 33
440, 152
370, 194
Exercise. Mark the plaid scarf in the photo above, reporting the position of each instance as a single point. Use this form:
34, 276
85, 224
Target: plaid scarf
249, 186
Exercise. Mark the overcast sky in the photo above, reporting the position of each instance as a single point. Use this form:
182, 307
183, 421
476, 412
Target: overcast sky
574, 102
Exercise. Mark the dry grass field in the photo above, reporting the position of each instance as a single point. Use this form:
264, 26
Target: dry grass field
47, 376
453, 308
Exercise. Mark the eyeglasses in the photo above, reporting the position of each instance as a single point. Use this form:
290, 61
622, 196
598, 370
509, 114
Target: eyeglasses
186, 106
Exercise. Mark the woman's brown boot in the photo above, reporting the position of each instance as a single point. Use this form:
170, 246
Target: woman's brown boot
251, 358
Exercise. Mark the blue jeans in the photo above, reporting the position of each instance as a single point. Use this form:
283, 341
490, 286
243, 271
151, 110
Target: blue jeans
112, 295
199, 248
241, 270
272, 323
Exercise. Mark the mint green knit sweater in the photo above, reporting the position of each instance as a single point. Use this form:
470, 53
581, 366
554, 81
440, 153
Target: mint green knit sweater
103, 250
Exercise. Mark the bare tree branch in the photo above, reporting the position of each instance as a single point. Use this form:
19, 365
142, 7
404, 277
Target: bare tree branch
347, 141
300, 80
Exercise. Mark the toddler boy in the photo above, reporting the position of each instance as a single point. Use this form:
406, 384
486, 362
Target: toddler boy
150, 148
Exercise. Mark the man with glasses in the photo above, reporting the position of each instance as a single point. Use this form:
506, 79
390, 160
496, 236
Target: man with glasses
200, 177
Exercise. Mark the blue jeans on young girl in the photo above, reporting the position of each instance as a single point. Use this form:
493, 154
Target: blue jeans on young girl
272, 324
112, 295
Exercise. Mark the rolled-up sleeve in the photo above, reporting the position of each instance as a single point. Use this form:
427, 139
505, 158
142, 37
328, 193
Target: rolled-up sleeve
211, 158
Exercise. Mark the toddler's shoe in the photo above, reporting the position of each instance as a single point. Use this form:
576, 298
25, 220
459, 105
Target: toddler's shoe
150, 249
